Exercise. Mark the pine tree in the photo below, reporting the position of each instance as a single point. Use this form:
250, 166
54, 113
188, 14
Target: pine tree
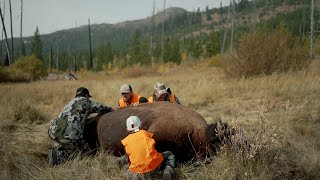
37, 45
175, 51
144, 52
172, 51
195, 48
23, 49
109, 53
213, 44
135, 48
104, 56
208, 14
167, 50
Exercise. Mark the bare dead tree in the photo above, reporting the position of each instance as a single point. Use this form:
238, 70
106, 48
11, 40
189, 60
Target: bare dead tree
162, 37
312, 29
226, 30
152, 29
6, 37
90, 53
232, 24
21, 28
51, 58
75, 64
75, 54
57, 60
303, 22
4, 7
254, 15
12, 57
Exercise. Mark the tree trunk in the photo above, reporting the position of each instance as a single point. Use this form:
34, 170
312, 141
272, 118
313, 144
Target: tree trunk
152, 29
21, 29
91, 61
51, 59
162, 37
75, 64
232, 24
4, 7
311, 29
5, 34
12, 57
225, 32
57, 63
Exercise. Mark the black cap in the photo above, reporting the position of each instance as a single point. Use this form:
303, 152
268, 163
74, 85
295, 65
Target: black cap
82, 91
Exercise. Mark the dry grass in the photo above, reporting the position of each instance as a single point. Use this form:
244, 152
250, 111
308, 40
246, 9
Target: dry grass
278, 117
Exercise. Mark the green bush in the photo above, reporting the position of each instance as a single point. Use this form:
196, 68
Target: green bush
261, 53
31, 67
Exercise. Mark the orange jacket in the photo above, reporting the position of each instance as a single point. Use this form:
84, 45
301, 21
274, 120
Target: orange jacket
142, 154
172, 99
135, 99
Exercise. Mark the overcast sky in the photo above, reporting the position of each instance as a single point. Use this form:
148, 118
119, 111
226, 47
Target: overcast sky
53, 15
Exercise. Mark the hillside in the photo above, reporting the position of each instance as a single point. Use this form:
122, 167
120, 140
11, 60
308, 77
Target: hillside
180, 25
118, 34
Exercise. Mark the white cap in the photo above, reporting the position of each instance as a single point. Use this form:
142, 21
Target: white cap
126, 88
133, 123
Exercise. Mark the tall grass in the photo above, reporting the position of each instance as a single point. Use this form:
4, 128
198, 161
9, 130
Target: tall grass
277, 118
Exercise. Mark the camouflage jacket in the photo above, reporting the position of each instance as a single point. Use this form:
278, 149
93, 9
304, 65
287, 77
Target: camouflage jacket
70, 122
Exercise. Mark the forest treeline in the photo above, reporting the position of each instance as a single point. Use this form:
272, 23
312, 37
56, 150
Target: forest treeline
183, 36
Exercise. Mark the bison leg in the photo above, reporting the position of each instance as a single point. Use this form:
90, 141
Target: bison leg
90, 134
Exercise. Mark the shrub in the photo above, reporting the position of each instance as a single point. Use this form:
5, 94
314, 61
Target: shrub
4, 75
7, 74
31, 66
216, 60
262, 53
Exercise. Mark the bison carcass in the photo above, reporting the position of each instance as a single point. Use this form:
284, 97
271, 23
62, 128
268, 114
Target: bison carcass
175, 127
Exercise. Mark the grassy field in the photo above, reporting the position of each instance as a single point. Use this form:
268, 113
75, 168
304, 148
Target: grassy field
278, 115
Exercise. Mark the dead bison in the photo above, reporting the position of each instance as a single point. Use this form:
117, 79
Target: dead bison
175, 127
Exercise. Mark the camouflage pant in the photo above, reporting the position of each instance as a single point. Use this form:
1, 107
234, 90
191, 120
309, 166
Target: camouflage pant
68, 149
168, 160
56, 132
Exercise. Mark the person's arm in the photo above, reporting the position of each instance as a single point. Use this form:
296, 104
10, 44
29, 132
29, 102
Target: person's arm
143, 100
99, 108
177, 99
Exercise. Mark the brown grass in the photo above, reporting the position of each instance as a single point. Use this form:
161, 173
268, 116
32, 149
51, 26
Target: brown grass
277, 115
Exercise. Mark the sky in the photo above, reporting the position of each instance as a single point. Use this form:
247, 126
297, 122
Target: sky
54, 15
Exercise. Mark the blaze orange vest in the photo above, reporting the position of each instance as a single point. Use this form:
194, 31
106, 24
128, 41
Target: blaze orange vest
134, 99
172, 99
142, 154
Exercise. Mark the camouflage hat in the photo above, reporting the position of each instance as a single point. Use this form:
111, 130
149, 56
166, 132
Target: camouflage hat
82, 91
159, 88
126, 88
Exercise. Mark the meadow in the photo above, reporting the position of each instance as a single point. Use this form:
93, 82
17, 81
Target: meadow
279, 115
